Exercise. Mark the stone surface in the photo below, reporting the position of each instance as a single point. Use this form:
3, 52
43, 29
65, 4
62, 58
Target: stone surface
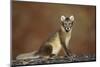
53, 60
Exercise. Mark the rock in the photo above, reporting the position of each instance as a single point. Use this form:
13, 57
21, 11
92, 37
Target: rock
54, 60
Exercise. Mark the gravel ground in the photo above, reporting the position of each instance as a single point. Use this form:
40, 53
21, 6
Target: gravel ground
55, 60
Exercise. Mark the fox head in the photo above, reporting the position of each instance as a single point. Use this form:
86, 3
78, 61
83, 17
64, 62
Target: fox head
67, 22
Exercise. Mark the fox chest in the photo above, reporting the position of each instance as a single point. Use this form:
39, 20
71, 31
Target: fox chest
65, 37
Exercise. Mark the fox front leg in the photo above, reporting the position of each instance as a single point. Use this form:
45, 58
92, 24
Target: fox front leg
66, 50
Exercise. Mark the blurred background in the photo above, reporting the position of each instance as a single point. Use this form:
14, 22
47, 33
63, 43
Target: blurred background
34, 22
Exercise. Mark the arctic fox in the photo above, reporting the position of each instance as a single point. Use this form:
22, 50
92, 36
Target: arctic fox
54, 44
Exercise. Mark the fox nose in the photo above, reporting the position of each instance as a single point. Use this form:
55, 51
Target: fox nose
68, 28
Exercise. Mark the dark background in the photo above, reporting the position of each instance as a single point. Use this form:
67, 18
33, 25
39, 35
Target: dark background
33, 23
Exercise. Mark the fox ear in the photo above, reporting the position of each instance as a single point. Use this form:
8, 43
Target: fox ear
63, 18
71, 18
